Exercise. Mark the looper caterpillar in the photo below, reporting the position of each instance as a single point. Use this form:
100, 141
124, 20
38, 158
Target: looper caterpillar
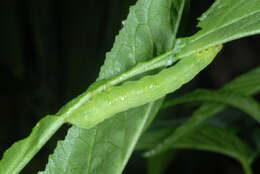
135, 93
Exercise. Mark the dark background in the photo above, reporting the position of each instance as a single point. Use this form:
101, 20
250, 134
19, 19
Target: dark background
51, 51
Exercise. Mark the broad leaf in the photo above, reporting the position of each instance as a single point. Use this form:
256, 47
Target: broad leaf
224, 21
247, 84
106, 148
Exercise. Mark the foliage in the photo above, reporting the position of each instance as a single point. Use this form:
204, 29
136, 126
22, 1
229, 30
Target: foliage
189, 134
147, 60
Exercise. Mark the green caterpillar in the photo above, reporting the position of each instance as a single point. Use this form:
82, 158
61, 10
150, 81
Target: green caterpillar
135, 93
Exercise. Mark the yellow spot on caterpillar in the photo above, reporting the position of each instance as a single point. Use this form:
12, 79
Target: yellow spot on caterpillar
207, 52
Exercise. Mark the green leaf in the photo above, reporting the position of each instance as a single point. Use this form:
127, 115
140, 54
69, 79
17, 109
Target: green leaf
208, 138
218, 140
151, 138
247, 84
224, 21
245, 103
21, 152
107, 147
158, 164
255, 139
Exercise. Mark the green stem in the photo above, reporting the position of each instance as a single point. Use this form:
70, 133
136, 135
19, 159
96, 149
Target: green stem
246, 167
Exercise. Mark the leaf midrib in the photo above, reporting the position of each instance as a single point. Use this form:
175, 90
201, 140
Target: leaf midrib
134, 142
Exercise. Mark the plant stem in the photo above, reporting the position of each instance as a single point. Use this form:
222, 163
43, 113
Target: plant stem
246, 167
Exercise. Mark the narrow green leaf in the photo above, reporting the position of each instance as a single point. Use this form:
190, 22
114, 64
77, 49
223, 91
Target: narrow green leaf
152, 137
224, 21
208, 138
158, 164
254, 137
21, 152
106, 148
247, 84
245, 103
218, 140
